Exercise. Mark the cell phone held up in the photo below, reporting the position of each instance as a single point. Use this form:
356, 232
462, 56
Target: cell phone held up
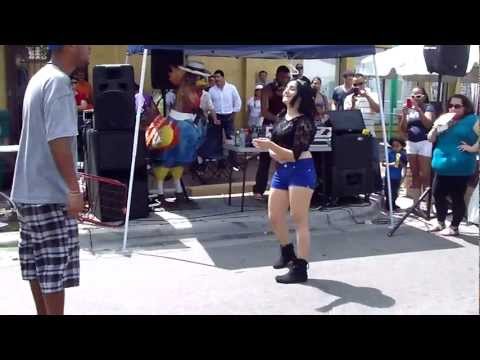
409, 103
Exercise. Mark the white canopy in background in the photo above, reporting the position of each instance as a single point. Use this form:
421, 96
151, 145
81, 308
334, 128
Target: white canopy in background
408, 62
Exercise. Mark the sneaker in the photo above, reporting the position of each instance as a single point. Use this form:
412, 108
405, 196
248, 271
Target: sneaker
258, 197
438, 227
450, 231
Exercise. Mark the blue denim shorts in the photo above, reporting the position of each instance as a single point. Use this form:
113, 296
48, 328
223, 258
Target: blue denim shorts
300, 173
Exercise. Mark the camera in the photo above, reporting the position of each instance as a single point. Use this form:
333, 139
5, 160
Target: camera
356, 91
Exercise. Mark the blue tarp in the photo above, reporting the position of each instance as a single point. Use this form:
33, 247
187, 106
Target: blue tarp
265, 51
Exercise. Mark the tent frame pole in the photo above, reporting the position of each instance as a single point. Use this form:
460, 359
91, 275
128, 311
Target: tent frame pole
134, 148
385, 140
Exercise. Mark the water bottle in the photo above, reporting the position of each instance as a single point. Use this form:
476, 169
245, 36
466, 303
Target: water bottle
242, 138
237, 137
397, 159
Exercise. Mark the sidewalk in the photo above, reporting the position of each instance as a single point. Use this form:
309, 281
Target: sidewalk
210, 218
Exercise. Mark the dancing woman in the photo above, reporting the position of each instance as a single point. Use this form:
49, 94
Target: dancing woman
295, 178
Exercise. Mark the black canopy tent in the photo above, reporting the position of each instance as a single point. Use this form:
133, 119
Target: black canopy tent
254, 51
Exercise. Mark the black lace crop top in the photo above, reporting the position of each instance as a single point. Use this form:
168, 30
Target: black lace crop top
296, 134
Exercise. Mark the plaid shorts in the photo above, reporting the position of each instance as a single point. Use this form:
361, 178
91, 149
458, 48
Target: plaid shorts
49, 246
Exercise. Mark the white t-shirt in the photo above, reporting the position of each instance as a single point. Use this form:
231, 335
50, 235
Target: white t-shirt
362, 104
255, 112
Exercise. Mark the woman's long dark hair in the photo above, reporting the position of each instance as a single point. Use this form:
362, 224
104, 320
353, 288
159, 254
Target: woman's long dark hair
468, 108
305, 94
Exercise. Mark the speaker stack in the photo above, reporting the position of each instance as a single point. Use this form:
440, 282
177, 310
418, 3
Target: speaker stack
352, 164
109, 142
161, 62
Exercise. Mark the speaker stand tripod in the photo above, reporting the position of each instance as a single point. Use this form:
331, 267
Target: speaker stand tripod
416, 206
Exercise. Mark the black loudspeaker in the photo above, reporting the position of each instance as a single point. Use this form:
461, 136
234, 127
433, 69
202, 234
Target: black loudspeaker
109, 155
352, 165
160, 66
112, 151
346, 121
447, 59
106, 202
114, 97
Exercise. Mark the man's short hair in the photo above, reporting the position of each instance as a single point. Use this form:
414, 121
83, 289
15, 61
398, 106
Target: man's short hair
283, 69
348, 73
262, 71
219, 72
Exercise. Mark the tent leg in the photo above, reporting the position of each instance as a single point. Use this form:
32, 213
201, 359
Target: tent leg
384, 133
439, 88
134, 149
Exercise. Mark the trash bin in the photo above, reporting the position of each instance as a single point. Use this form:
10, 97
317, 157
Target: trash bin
4, 127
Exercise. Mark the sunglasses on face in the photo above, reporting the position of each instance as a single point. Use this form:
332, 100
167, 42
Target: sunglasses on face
418, 96
358, 84
455, 106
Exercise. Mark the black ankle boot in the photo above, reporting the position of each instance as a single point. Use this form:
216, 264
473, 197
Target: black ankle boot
287, 254
297, 273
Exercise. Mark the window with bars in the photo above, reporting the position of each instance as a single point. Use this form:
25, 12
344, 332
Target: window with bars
37, 53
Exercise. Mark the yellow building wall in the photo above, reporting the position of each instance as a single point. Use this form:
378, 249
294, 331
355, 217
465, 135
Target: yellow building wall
3, 79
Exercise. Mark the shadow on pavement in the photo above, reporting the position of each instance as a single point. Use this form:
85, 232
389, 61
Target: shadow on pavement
347, 293
331, 245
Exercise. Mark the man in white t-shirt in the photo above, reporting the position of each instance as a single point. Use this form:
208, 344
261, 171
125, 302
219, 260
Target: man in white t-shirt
365, 100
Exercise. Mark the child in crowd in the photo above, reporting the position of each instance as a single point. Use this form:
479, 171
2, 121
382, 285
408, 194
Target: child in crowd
397, 160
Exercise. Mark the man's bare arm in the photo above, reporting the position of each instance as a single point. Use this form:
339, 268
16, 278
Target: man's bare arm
61, 150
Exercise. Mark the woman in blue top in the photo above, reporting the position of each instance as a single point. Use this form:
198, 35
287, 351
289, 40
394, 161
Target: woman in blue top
453, 160
417, 119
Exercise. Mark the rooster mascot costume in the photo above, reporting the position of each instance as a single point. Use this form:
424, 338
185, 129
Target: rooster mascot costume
174, 140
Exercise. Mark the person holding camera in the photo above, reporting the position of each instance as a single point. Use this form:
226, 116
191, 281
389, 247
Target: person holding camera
416, 119
366, 100
455, 135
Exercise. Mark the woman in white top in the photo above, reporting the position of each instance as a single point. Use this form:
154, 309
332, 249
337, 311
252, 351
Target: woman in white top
254, 108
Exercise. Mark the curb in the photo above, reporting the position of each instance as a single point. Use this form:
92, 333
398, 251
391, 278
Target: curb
163, 232
228, 228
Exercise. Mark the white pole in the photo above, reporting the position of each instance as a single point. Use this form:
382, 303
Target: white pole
134, 149
127, 58
385, 147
